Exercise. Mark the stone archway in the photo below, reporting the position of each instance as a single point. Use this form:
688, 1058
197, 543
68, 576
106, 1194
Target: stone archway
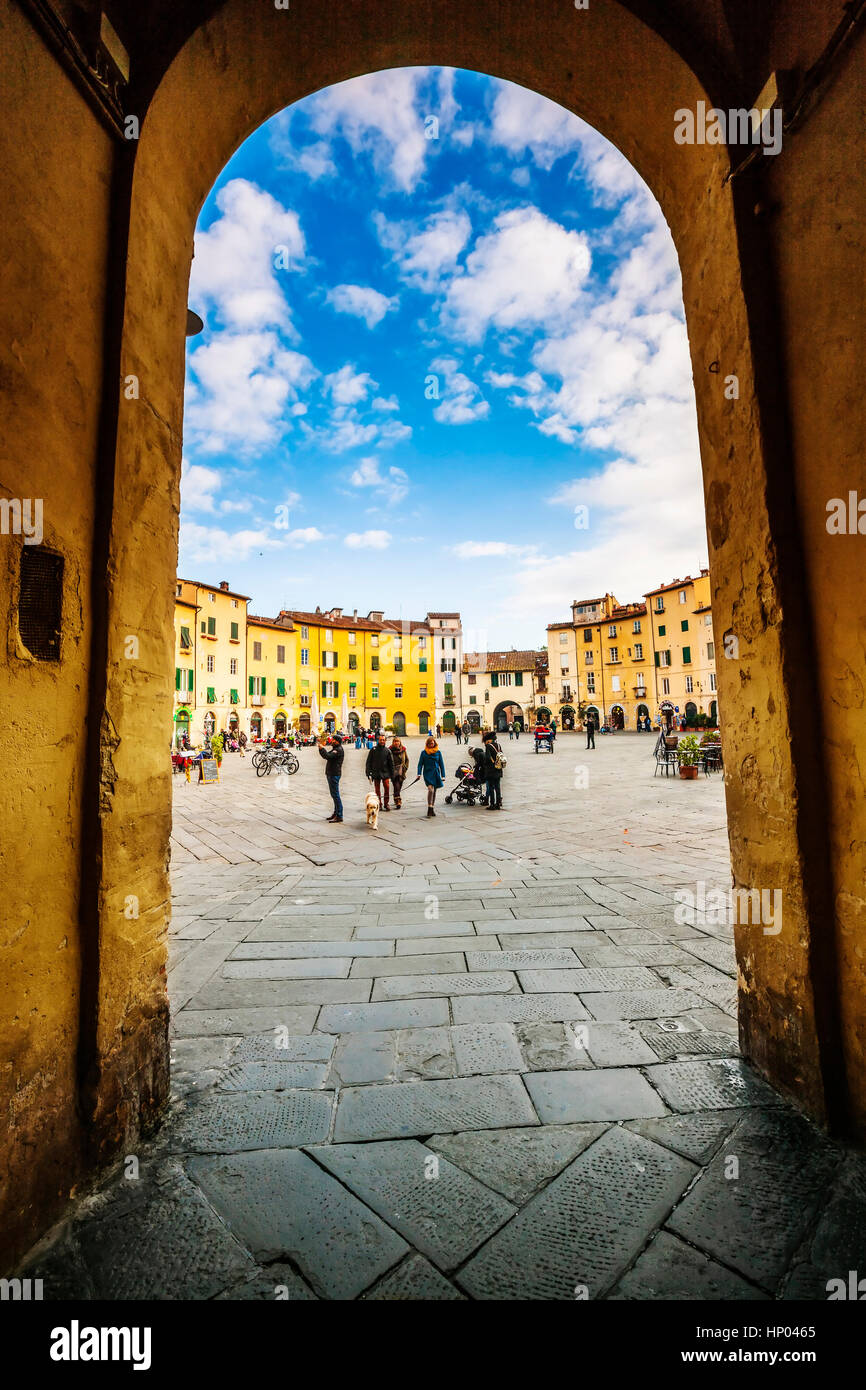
424, 722
763, 461
506, 712
400, 724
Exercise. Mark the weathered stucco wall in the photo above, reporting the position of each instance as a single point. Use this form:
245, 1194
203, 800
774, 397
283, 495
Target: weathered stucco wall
792, 827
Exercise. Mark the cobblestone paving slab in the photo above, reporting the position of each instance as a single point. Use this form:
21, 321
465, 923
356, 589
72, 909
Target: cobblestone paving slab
442, 1211
207, 1022
252, 1120
693, 1043
519, 960
614, 1093
710, 1085
281, 1205
585, 1226
587, 981
755, 1223
169, 1245
428, 1107
526, 925
273, 1076
441, 963
248, 994
518, 1008
516, 1162
437, 944
310, 930
400, 1013
59, 1263
277, 1282
669, 1270
199, 1054
717, 953
415, 986
616, 1045
407, 930
694, 1136
415, 1280
280, 1047
365, 1057
315, 968
485, 1048
837, 1243
302, 950
552, 1046
650, 1003
424, 1054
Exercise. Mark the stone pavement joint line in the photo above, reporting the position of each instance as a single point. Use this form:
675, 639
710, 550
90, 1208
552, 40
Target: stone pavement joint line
469, 1057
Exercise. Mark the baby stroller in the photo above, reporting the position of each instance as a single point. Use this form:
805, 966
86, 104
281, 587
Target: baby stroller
469, 789
543, 739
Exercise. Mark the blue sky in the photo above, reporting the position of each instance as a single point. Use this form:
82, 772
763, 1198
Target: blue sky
440, 314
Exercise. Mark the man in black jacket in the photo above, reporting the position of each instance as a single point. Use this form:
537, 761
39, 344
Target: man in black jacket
333, 756
380, 770
492, 754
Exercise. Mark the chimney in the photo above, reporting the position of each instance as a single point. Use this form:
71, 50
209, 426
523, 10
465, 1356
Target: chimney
354, 615
224, 585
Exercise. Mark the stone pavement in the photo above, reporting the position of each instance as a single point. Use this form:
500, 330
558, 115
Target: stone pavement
469, 1057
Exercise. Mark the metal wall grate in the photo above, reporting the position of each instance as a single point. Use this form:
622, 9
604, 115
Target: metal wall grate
40, 602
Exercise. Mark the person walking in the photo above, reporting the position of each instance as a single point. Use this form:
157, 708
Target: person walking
590, 731
517, 730
242, 743
458, 734
466, 731
493, 772
511, 733
380, 771
431, 767
400, 760
438, 730
333, 756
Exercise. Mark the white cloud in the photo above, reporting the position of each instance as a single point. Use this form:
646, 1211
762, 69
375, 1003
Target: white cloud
393, 486
200, 544
362, 302
428, 252
526, 272
234, 269
240, 390
347, 386
198, 487
462, 401
523, 121
377, 115
368, 540
483, 550
305, 535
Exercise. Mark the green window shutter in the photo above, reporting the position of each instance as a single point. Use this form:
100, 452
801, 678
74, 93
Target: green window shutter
518, 677
422, 664
661, 629
190, 681
185, 637
234, 697
252, 686
687, 655
494, 679
281, 685
264, 686
684, 625
177, 678
211, 695
658, 659
234, 631
211, 627
336, 688
324, 683
203, 626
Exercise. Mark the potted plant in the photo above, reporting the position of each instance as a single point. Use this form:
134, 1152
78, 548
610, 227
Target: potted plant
690, 755
216, 745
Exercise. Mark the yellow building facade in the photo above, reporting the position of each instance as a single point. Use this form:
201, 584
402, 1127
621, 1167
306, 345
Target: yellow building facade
684, 669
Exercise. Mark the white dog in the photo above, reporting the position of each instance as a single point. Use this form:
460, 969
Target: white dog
372, 807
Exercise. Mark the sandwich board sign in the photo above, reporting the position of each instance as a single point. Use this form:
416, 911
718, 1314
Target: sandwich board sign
208, 770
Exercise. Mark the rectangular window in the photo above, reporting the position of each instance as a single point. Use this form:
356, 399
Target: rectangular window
330, 689
374, 663
453, 644
233, 695
635, 627
305, 656
281, 685
422, 641
712, 680
590, 683
684, 625
353, 637
563, 638
353, 661
203, 627
473, 680
422, 664
690, 685
374, 639
687, 655
611, 631
329, 659
353, 690
234, 603
587, 634
660, 604
449, 690
638, 651
615, 682
682, 595
588, 658
563, 661
305, 634
212, 598
234, 632
666, 686
398, 692
210, 665
233, 666
211, 627
614, 653
281, 656
374, 692
662, 630
518, 677
185, 640
711, 651
472, 700
257, 651
211, 695
422, 691
329, 636
398, 663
